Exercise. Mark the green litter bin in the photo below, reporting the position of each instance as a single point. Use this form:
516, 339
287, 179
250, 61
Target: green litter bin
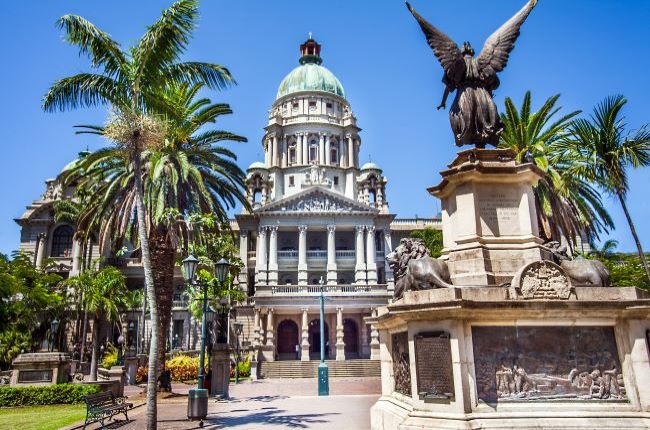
197, 405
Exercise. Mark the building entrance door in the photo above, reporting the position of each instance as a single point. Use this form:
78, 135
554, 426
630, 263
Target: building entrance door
287, 340
314, 340
351, 338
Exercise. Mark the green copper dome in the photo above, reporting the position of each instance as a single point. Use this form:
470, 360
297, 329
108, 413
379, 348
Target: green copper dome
310, 75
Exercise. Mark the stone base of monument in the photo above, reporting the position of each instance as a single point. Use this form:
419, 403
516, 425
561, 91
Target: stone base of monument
41, 368
220, 366
489, 220
538, 355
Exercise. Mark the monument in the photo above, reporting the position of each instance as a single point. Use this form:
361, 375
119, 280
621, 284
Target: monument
503, 331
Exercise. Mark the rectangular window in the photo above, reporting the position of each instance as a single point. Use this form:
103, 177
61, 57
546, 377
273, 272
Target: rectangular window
291, 181
336, 181
312, 105
329, 106
294, 105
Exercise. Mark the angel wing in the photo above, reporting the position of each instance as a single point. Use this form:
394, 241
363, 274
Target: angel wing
443, 47
498, 46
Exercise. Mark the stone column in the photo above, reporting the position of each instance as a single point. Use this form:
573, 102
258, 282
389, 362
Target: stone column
76, 258
371, 266
305, 148
304, 344
327, 150
260, 257
350, 151
267, 153
256, 328
364, 350
302, 255
40, 249
374, 339
331, 255
243, 256
273, 256
299, 144
274, 160
284, 148
388, 248
321, 149
268, 350
340, 344
359, 250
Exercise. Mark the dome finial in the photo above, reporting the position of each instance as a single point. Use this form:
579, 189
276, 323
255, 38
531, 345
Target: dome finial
310, 51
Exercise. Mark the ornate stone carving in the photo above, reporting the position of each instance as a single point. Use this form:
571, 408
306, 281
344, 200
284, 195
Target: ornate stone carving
315, 175
401, 363
316, 203
542, 280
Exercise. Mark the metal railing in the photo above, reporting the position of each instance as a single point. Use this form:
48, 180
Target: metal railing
317, 254
345, 253
288, 254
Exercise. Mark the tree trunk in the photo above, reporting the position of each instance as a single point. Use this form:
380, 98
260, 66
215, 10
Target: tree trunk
621, 198
152, 415
163, 260
95, 353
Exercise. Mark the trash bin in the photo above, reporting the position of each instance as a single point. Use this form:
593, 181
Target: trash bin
197, 405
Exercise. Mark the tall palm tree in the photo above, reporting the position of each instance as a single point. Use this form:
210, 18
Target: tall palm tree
104, 293
189, 173
128, 81
567, 205
606, 150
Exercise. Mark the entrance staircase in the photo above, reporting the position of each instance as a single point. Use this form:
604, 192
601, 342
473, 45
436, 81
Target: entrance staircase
309, 369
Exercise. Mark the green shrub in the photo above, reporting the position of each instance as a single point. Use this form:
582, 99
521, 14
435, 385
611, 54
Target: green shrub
244, 369
45, 395
110, 357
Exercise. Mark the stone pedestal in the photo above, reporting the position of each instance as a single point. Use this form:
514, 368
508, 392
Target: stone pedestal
220, 366
499, 358
116, 374
131, 366
489, 217
41, 368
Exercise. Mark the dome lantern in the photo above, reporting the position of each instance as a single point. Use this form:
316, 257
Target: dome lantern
310, 51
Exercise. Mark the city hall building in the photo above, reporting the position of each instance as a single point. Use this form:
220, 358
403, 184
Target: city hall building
317, 215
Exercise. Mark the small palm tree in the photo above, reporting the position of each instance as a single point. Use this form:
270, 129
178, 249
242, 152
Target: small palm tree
568, 206
129, 82
104, 294
603, 150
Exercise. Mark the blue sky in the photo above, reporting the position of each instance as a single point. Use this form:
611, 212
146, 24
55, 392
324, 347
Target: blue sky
583, 49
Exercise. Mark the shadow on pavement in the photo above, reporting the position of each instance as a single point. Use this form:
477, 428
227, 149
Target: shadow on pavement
257, 399
268, 417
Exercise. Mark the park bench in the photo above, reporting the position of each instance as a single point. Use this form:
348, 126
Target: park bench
105, 405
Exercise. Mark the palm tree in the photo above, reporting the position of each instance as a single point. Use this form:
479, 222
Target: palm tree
128, 81
189, 173
567, 205
605, 149
104, 294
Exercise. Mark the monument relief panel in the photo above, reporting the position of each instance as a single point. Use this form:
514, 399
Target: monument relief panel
401, 363
433, 366
499, 210
531, 363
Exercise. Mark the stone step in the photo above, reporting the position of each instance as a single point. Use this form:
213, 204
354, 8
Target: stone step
309, 369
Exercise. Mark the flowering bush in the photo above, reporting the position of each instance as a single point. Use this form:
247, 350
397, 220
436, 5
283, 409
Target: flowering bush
141, 374
183, 368
244, 369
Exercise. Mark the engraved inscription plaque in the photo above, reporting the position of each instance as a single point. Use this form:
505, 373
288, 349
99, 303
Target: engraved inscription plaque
35, 376
401, 363
537, 363
433, 366
499, 211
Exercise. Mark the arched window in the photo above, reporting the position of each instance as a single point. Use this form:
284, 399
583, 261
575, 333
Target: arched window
313, 151
334, 153
372, 196
62, 241
292, 153
257, 196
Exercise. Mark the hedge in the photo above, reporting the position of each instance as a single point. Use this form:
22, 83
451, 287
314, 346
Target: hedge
45, 395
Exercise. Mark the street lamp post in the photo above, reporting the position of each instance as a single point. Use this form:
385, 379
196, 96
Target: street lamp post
197, 407
54, 328
238, 331
323, 372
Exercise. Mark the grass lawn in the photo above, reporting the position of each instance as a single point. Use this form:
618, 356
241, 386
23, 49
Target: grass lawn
41, 417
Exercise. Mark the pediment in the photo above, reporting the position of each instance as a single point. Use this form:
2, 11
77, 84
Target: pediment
317, 200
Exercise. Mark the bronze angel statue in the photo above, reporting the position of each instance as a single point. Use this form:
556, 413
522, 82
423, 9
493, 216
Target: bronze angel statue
473, 114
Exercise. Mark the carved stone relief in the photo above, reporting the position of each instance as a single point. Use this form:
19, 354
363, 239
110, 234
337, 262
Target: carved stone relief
401, 363
542, 280
531, 363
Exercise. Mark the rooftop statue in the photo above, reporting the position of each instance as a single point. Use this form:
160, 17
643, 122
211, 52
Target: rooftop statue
473, 114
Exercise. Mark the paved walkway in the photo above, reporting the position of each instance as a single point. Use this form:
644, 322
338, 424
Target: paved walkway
279, 404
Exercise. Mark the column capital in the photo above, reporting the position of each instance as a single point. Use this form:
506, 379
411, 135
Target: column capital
348, 136
331, 228
243, 233
302, 228
272, 228
261, 229
304, 309
370, 228
359, 228
41, 236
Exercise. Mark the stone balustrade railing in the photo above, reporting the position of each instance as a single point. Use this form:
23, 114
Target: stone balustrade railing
327, 289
